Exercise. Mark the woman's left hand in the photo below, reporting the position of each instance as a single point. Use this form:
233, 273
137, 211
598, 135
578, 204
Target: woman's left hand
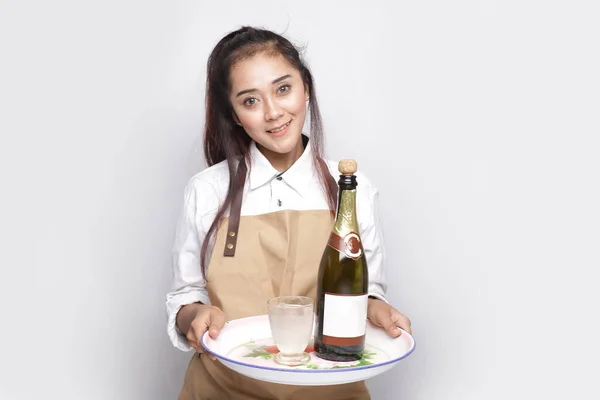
387, 317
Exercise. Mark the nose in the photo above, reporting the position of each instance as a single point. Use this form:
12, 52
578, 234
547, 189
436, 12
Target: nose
272, 110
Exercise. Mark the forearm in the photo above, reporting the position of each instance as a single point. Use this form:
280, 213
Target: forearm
186, 315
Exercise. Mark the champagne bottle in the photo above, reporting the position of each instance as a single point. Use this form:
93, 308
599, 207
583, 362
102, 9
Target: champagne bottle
342, 293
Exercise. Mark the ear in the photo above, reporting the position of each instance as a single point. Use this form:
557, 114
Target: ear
306, 93
235, 118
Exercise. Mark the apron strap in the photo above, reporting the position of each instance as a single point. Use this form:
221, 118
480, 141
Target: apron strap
235, 211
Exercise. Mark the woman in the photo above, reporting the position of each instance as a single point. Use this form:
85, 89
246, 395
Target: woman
265, 206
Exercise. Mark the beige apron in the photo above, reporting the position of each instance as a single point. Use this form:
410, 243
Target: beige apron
277, 254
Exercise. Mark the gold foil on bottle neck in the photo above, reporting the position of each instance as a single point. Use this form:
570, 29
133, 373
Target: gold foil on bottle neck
346, 220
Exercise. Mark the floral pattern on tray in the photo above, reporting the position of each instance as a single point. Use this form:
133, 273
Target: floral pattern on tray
262, 353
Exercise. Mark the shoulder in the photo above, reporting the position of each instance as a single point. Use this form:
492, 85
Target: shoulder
208, 188
214, 175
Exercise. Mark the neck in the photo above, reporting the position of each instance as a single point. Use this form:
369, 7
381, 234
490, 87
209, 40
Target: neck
282, 161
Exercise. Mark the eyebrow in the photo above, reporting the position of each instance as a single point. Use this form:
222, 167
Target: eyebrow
254, 90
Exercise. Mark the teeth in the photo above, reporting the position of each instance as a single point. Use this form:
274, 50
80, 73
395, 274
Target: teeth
280, 129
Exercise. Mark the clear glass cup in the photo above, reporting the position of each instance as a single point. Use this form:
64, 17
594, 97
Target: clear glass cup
291, 319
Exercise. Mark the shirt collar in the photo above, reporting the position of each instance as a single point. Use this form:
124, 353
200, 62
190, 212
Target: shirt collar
298, 176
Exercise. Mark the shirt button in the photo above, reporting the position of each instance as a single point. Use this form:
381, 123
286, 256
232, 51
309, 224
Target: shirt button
279, 178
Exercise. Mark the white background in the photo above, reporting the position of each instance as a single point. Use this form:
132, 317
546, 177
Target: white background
478, 121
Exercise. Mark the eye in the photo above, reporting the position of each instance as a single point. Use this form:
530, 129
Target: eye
283, 89
250, 101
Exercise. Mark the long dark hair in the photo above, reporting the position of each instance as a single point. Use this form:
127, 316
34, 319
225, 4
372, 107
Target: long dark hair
226, 140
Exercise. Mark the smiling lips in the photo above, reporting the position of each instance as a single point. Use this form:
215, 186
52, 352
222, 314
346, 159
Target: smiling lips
281, 128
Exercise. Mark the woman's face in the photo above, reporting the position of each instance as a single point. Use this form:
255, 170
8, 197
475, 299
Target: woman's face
269, 101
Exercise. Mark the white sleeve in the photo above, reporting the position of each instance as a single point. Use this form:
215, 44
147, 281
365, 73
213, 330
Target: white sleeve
371, 236
188, 284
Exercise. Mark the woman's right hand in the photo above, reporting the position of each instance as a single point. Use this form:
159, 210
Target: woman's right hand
207, 318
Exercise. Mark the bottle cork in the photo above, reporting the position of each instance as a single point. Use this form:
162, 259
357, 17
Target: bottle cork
347, 167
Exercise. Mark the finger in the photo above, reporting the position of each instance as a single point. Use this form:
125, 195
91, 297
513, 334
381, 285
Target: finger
384, 319
193, 341
403, 322
391, 328
217, 321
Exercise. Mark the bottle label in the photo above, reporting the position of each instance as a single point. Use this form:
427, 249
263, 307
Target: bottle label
348, 245
344, 319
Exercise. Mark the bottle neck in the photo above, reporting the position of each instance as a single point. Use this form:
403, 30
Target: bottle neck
345, 220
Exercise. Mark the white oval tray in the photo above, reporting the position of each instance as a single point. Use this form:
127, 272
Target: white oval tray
245, 346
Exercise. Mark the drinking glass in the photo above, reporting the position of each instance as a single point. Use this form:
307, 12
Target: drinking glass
291, 319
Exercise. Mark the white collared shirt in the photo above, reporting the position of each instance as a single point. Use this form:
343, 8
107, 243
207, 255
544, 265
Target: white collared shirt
267, 190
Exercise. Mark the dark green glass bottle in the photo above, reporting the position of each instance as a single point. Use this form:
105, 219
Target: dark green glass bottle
342, 293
